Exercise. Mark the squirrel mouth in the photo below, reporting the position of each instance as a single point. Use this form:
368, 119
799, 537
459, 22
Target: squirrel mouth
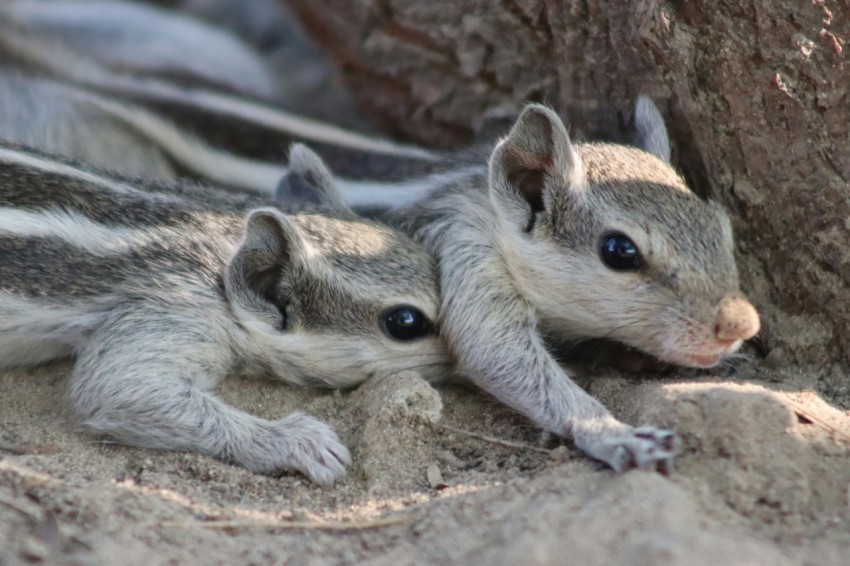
703, 360
698, 361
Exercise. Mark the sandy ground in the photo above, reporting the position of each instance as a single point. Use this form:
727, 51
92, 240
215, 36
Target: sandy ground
762, 478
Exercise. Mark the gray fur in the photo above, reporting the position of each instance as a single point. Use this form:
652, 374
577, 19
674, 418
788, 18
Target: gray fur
161, 300
520, 237
112, 92
137, 40
308, 181
53, 117
523, 238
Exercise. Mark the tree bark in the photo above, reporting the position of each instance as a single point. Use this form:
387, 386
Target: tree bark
756, 94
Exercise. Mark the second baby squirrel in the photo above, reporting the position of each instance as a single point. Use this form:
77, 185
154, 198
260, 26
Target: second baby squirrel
580, 241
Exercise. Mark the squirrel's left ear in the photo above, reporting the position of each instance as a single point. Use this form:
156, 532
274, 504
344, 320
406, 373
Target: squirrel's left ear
309, 183
536, 152
651, 135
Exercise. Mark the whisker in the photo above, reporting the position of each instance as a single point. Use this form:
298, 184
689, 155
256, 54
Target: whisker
627, 324
382, 359
418, 367
734, 361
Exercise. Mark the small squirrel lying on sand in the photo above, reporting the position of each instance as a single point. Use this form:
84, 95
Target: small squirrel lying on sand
160, 292
580, 241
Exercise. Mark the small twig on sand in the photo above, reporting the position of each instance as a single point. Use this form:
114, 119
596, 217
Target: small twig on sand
802, 411
492, 440
293, 525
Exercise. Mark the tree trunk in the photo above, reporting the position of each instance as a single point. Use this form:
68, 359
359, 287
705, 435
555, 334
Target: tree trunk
756, 94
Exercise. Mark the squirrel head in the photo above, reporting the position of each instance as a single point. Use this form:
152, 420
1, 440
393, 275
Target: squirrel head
346, 296
608, 241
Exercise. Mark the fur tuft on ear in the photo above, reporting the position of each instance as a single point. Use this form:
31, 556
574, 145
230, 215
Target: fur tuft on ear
272, 243
536, 151
651, 135
309, 182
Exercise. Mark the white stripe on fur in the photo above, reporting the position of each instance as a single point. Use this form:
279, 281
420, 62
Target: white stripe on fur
45, 165
262, 115
71, 228
187, 150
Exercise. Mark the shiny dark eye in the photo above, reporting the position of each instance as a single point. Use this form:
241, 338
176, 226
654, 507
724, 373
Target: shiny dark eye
405, 323
619, 252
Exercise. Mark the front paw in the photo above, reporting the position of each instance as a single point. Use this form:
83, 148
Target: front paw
299, 442
624, 448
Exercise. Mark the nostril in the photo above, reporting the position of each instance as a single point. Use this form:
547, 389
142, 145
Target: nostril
721, 336
724, 333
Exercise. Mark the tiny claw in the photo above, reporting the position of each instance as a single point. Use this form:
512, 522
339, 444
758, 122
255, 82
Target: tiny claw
645, 448
665, 467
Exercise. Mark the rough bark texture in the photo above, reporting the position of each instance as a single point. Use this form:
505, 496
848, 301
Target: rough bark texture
756, 93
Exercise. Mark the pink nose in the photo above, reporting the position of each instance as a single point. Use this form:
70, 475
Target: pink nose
736, 319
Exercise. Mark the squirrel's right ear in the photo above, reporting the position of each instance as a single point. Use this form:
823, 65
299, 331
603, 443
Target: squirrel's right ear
537, 152
272, 243
309, 182
651, 135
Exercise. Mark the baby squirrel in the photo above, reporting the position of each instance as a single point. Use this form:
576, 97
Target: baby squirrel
159, 292
580, 241
113, 84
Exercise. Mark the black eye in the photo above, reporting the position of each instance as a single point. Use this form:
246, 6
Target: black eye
405, 323
619, 252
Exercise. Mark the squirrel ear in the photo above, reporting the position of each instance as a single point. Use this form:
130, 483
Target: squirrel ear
309, 182
536, 151
651, 135
272, 242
